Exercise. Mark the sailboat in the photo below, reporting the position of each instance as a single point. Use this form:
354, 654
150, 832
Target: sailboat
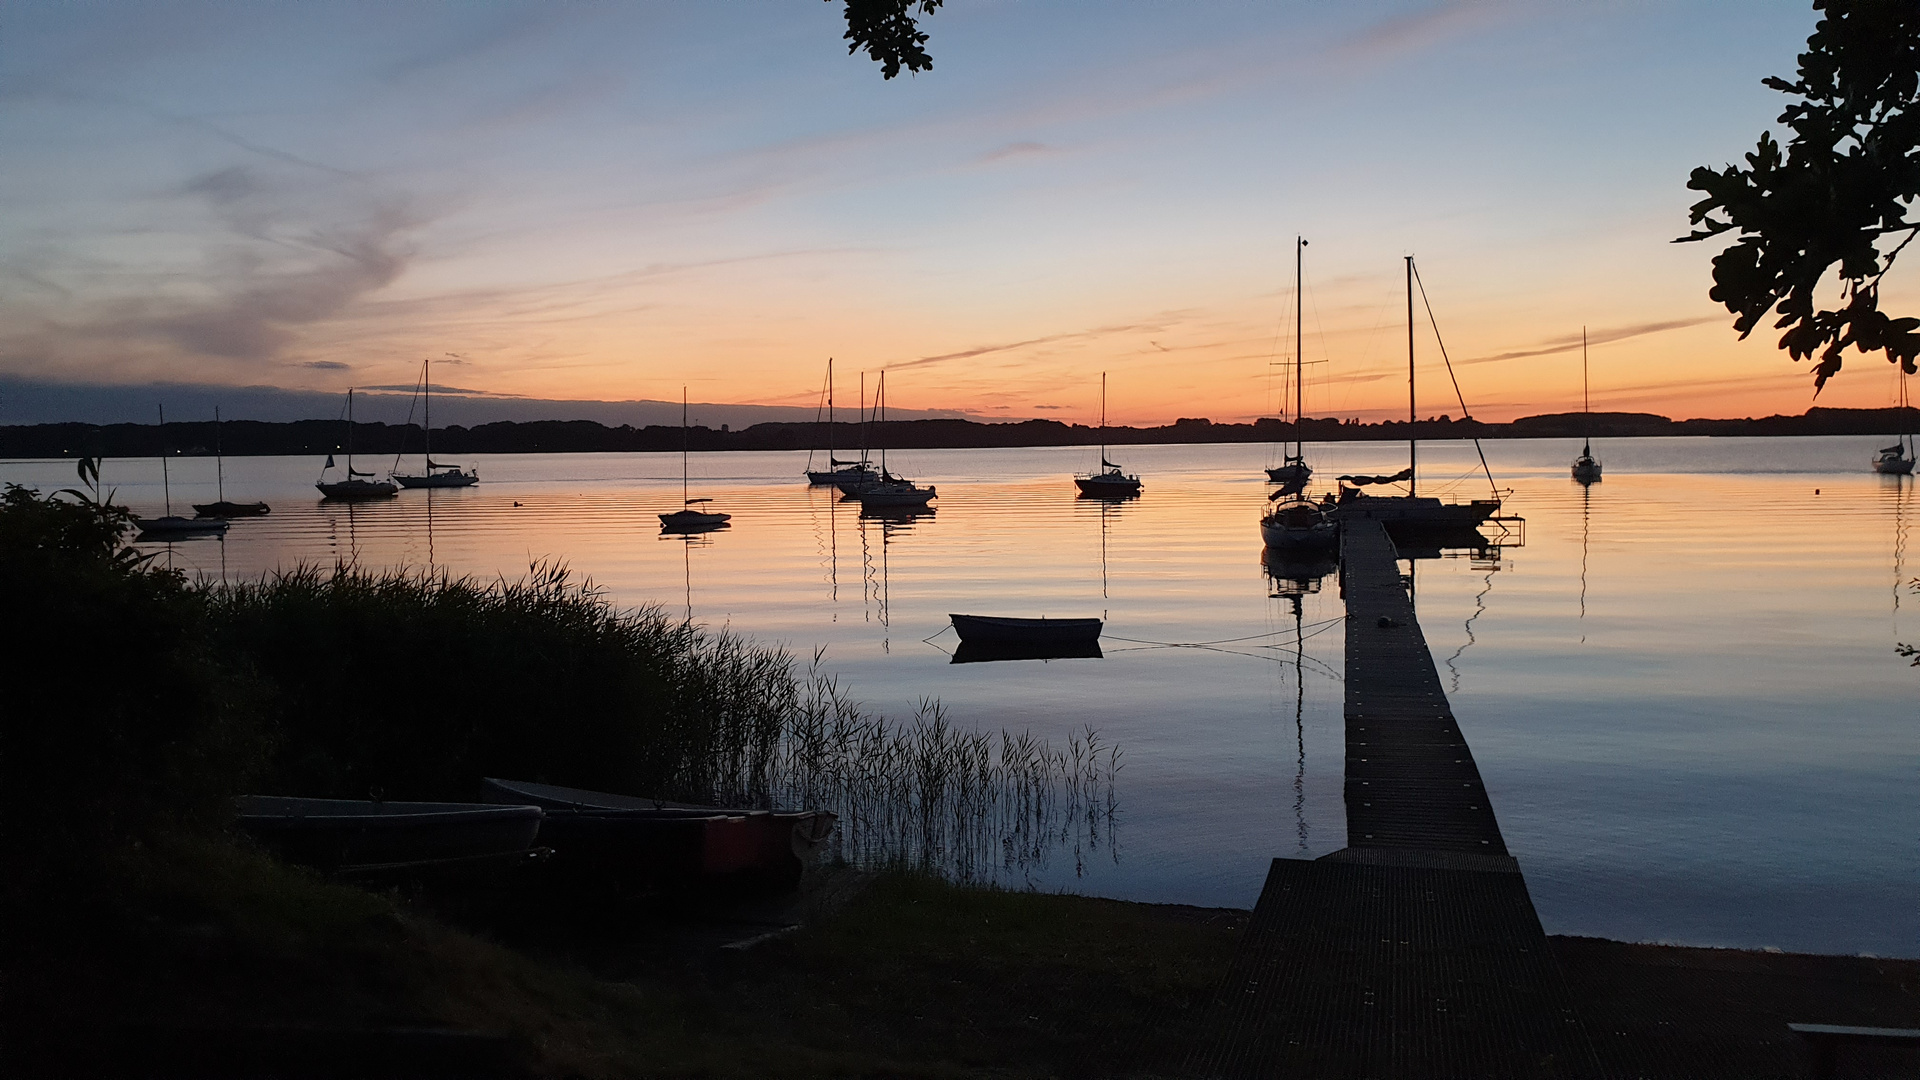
687, 519
222, 508
890, 491
1294, 473
1110, 482
839, 473
1586, 469
1413, 511
1898, 459
437, 475
353, 486
173, 525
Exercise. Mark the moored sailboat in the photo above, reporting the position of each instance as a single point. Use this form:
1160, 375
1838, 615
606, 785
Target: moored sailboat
1413, 512
437, 475
1292, 475
172, 526
1898, 459
1586, 468
689, 519
1111, 482
354, 486
887, 490
221, 508
839, 473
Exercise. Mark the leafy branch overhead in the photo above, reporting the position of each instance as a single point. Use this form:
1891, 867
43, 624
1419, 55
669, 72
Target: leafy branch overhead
889, 32
1835, 198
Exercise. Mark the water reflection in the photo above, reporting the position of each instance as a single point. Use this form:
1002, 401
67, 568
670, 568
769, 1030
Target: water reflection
1295, 575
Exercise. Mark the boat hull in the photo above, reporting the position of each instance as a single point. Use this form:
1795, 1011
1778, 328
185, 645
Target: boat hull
180, 527
842, 478
1416, 512
876, 496
1321, 536
357, 490
1290, 474
343, 834
635, 840
1893, 466
999, 630
692, 521
438, 480
1108, 487
232, 509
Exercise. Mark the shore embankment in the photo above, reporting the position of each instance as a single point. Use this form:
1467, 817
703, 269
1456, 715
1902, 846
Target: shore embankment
311, 437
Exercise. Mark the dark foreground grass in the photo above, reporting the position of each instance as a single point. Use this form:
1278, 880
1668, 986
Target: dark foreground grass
912, 976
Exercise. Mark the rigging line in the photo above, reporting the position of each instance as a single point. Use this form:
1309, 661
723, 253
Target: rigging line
411, 405
1225, 641
1288, 660
1462, 398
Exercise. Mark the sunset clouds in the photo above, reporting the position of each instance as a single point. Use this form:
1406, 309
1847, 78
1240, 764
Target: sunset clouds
606, 202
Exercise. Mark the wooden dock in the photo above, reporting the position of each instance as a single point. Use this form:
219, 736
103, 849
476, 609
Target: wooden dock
1415, 951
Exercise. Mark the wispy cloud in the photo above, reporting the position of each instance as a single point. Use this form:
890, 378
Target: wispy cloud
1571, 342
1414, 31
1014, 150
327, 365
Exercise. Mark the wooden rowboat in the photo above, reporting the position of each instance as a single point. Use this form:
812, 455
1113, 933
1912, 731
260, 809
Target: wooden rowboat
999, 630
348, 834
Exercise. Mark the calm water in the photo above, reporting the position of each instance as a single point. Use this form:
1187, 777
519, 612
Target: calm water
1682, 690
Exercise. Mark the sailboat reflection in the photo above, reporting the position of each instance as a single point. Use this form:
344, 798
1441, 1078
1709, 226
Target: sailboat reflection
1295, 574
689, 541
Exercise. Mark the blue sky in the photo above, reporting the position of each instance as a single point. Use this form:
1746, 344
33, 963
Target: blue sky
608, 201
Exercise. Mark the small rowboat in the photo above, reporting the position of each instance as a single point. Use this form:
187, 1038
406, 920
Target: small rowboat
177, 527
349, 834
225, 509
998, 630
633, 839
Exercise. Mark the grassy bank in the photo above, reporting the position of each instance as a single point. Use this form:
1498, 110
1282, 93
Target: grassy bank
911, 976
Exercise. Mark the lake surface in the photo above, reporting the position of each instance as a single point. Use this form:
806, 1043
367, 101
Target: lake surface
1682, 690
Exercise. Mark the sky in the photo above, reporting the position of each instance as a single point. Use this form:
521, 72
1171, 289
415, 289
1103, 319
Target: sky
610, 201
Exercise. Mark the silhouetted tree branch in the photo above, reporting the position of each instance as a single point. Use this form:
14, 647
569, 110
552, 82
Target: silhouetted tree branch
1837, 196
888, 31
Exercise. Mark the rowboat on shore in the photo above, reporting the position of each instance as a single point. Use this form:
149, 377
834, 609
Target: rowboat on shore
631, 839
357, 834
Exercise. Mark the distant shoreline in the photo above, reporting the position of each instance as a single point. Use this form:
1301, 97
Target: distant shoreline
244, 438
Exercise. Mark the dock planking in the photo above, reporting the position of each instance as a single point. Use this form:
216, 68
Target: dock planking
1415, 950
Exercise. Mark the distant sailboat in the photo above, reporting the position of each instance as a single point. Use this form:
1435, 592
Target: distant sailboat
1110, 482
1898, 459
222, 508
1294, 473
687, 519
1586, 469
437, 475
889, 491
171, 525
839, 473
353, 487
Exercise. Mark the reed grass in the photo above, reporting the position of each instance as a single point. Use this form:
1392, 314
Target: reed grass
405, 684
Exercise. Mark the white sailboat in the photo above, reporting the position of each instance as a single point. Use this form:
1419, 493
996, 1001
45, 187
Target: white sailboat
1111, 482
689, 519
353, 486
1898, 459
1586, 468
437, 475
889, 491
1294, 473
841, 474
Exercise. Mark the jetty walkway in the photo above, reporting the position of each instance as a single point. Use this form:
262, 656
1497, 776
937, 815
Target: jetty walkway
1415, 950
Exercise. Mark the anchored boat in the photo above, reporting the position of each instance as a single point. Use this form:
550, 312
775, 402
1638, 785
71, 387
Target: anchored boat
437, 475
354, 486
1111, 482
687, 519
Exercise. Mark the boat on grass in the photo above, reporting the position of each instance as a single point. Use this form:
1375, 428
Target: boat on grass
632, 839
356, 835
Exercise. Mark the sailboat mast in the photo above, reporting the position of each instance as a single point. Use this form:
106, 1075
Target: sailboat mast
1299, 394
1586, 402
863, 418
426, 410
349, 432
1413, 444
219, 457
683, 446
830, 464
166, 483
1103, 420
880, 406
